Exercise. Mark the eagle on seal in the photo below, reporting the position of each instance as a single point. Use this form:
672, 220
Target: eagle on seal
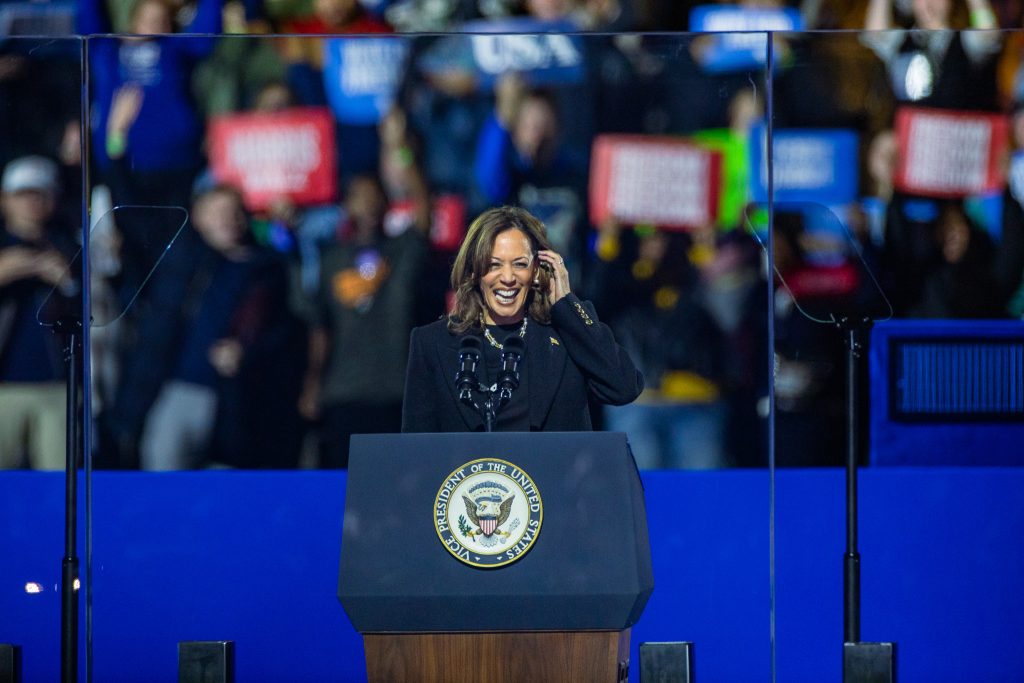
487, 516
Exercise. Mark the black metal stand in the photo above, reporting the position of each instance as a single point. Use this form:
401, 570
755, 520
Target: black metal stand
71, 330
855, 332
862, 662
489, 408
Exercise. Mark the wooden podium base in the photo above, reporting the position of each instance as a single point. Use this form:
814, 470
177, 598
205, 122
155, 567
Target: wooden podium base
515, 657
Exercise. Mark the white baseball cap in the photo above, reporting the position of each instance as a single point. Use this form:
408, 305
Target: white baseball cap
30, 173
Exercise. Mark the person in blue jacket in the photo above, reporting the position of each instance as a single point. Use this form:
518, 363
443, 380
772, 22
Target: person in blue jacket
521, 159
143, 115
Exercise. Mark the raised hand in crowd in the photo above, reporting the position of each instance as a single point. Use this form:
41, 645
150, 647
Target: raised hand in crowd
509, 91
123, 113
226, 356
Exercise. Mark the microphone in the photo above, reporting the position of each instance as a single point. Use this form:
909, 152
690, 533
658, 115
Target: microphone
466, 379
511, 357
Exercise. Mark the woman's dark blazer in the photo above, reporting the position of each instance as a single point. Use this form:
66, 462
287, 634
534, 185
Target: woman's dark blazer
574, 356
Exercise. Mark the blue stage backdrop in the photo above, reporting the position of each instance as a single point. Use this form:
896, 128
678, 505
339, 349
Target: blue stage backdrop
252, 557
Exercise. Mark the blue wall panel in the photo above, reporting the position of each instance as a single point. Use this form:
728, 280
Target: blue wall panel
252, 557
942, 572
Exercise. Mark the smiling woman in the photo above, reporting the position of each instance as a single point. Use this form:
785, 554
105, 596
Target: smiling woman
508, 278
508, 283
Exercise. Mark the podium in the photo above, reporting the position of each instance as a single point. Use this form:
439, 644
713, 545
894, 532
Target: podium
549, 594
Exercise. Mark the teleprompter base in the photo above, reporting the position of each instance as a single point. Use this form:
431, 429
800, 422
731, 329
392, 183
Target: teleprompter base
869, 662
206, 661
666, 662
10, 663
538, 657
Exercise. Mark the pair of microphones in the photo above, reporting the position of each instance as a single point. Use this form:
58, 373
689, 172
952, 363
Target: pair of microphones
467, 379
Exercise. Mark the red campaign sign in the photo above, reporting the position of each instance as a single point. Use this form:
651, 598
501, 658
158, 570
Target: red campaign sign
662, 181
449, 224
289, 154
816, 282
447, 220
950, 154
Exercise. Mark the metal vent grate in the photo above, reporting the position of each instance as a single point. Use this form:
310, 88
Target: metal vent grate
957, 380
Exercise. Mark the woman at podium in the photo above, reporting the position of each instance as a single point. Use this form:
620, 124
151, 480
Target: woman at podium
519, 351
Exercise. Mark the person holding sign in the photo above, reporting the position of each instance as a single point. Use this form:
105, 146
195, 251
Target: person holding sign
512, 292
935, 66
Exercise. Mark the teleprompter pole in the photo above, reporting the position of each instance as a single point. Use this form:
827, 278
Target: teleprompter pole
862, 662
855, 332
71, 330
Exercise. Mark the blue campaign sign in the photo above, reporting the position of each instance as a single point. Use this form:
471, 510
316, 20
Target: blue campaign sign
361, 76
376, 7
539, 50
810, 165
739, 42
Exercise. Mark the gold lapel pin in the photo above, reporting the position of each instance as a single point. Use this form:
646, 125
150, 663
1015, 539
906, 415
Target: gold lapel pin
554, 341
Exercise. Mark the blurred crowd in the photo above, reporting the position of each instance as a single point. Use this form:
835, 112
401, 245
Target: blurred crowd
273, 328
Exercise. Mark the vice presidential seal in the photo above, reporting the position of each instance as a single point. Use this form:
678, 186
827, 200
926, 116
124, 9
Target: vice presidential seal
488, 513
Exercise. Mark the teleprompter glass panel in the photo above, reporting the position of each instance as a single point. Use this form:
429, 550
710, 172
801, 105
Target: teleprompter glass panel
40, 232
329, 182
895, 241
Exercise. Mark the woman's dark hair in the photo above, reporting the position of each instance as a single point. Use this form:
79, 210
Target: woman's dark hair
474, 256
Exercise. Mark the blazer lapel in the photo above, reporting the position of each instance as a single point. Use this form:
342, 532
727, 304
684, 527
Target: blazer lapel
545, 360
448, 358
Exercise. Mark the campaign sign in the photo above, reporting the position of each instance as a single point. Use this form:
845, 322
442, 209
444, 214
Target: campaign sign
290, 154
735, 180
663, 181
809, 165
362, 75
740, 42
950, 154
541, 51
447, 220
448, 224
